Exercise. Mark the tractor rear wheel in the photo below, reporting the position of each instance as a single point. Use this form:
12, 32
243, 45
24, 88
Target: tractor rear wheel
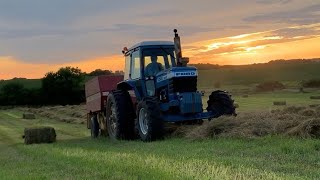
94, 126
149, 123
221, 103
120, 115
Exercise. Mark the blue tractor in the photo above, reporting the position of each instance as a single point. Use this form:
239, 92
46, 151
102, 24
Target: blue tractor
159, 88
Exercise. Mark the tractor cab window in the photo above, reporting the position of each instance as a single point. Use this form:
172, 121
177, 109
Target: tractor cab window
135, 65
127, 67
156, 60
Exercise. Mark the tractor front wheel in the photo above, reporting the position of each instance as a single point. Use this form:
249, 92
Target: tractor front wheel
149, 123
221, 103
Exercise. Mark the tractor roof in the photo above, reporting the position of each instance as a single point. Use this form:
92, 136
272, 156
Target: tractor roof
153, 43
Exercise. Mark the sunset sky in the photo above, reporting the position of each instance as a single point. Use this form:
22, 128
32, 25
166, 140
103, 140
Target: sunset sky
37, 36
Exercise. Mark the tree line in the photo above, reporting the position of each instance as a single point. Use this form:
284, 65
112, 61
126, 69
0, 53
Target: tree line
66, 86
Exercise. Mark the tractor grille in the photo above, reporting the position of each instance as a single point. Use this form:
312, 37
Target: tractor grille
183, 84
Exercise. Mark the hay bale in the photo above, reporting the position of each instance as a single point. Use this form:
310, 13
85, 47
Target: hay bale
39, 135
314, 97
279, 103
28, 116
245, 96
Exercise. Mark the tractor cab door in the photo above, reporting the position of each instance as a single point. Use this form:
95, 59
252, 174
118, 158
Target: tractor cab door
135, 73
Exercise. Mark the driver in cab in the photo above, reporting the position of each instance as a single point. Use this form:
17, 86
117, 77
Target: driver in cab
153, 68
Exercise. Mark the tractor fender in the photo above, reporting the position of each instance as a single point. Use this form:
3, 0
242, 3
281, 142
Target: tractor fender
124, 85
129, 86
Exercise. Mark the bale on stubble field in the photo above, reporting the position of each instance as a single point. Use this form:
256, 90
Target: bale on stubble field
314, 97
38, 135
279, 103
28, 116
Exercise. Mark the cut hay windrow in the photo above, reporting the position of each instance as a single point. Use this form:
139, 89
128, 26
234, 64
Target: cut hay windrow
38, 135
291, 121
69, 114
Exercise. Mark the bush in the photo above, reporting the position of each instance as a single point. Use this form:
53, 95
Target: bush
64, 86
269, 86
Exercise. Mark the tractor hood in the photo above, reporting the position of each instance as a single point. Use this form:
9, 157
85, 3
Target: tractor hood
177, 72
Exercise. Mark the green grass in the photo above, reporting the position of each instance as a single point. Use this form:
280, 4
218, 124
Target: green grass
76, 156
264, 101
291, 73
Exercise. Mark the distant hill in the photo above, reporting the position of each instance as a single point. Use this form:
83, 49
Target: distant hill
295, 70
208, 66
280, 70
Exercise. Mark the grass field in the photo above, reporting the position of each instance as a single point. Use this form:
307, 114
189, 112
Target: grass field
254, 74
264, 101
76, 156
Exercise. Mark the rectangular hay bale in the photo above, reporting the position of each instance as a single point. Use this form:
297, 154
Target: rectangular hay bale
38, 135
28, 116
279, 103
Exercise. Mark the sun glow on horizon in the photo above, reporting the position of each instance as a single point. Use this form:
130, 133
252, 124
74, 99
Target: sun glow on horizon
257, 47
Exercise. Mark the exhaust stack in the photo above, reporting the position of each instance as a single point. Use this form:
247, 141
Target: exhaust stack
181, 61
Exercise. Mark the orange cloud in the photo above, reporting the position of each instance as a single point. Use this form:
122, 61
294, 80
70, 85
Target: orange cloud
10, 67
286, 43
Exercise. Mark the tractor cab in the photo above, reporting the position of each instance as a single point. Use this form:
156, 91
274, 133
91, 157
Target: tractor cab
147, 58
144, 61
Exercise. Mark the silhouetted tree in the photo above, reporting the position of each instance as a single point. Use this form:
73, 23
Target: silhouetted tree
64, 86
13, 94
119, 72
99, 72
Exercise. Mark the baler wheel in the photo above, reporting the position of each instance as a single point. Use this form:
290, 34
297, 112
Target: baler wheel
221, 103
94, 126
120, 115
149, 123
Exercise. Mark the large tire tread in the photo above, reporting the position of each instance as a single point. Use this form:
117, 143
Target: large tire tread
156, 124
124, 114
221, 102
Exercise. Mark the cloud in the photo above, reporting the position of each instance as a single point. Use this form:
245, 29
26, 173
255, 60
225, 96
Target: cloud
302, 16
248, 43
12, 67
274, 1
43, 31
